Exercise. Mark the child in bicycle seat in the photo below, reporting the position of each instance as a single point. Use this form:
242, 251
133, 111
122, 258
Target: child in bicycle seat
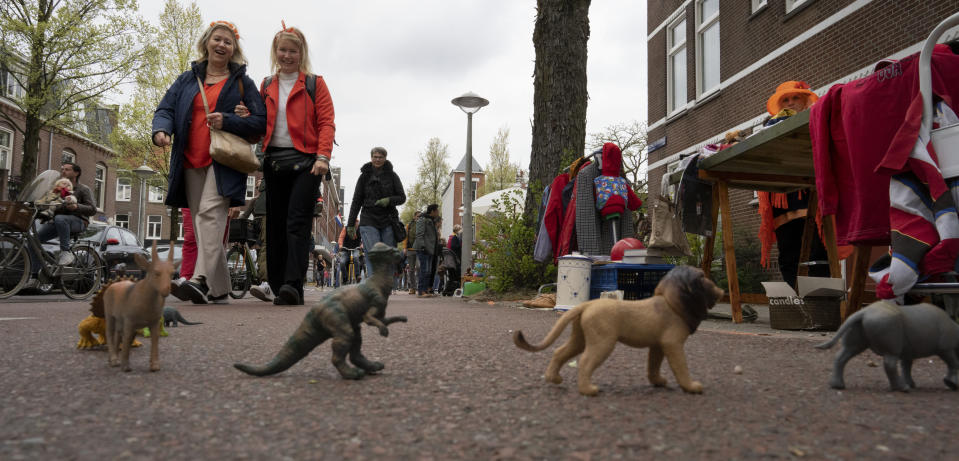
61, 193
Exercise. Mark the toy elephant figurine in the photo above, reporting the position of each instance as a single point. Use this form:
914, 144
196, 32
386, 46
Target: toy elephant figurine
897, 333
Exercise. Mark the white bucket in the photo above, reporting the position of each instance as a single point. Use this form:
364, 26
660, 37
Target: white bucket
572, 281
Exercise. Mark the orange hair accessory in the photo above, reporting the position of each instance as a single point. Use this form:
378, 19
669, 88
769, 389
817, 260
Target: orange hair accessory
229, 25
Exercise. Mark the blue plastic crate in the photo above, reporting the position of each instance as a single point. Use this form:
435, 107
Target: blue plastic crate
638, 281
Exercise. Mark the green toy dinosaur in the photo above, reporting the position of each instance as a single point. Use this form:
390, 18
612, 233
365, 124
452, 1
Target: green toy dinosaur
338, 316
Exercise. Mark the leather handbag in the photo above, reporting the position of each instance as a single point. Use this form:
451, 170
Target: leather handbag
227, 148
399, 232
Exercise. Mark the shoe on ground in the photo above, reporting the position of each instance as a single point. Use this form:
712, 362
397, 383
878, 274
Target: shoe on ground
66, 258
175, 289
262, 292
193, 291
222, 299
289, 296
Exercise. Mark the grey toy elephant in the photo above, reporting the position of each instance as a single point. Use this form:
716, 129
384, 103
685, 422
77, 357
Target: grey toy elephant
897, 333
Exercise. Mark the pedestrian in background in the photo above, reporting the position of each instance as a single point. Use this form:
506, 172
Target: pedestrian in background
425, 245
208, 188
378, 192
412, 265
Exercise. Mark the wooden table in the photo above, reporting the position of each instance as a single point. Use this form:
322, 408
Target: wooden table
777, 159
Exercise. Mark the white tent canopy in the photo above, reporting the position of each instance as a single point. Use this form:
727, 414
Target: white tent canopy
484, 204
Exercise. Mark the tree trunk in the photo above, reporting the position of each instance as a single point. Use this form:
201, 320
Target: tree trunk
559, 93
31, 147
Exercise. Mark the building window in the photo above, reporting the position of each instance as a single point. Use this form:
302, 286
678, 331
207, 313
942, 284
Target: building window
250, 187
68, 156
122, 220
707, 46
475, 182
676, 66
10, 85
793, 4
154, 225
6, 148
124, 189
99, 185
757, 4
180, 234
156, 194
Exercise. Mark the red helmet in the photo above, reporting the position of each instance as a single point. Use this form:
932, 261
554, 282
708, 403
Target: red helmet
621, 246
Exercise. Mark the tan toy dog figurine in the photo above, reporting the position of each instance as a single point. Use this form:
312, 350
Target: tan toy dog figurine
662, 323
128, 306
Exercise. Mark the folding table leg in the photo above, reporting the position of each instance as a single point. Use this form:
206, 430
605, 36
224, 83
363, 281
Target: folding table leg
860, 266
729, 250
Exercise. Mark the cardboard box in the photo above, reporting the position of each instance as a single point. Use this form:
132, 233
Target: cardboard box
815, 307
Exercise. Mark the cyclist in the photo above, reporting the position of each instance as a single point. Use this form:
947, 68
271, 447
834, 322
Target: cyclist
349, 243
68, 217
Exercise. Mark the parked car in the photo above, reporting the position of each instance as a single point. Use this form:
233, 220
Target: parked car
116, 245
163, 251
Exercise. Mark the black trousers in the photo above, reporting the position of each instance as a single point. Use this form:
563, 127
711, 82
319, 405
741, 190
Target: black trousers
290, 198
789, 243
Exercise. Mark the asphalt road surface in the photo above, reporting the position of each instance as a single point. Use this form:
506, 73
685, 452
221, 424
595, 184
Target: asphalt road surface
454, 387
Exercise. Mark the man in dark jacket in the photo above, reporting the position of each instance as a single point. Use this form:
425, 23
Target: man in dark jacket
378, 192
425, 246
69, 217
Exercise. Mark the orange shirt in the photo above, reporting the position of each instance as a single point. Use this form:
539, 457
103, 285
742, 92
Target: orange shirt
198, 147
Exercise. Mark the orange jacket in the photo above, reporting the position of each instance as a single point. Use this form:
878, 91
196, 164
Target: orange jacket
311, 126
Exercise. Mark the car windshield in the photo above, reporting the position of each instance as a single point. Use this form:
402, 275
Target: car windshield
93, 232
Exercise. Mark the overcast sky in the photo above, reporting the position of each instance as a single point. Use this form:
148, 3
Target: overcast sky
393, 66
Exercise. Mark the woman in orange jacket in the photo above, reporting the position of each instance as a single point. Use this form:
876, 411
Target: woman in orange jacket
298, 145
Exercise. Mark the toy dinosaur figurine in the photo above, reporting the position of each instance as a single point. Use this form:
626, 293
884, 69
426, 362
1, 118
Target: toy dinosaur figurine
93, 329
93, 333
172, 317
338, 316
128, 306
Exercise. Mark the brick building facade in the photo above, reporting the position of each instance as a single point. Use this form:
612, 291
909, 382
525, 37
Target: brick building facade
712, 64
452, 196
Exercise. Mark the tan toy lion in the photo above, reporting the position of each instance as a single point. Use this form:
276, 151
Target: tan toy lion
662, 323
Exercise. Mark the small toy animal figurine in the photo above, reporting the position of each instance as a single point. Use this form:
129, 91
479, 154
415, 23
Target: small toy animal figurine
897, 333
128, 306
172, 317
662, 323
338, 316
93, 333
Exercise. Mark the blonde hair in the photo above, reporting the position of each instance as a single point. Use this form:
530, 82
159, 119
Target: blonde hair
237, 57
64, 183
296, 36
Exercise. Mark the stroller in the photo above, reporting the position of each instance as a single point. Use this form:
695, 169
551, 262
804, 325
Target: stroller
451, 264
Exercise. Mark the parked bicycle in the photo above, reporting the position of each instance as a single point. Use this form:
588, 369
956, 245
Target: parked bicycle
18, 239
239, 259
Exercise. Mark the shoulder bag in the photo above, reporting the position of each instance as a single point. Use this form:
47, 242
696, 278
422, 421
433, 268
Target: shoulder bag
227, 148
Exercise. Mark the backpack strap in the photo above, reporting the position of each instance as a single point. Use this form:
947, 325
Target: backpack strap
266, 83
311, 86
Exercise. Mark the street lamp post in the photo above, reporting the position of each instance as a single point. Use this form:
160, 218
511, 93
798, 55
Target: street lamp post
470, 103
143, 172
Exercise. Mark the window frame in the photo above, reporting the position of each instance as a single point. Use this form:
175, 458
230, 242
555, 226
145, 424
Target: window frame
792, 5
99, 185
153, 192
68, 155
250, 187
125, 222
673, 48
124, 192
758, 5
150, 234
703, 25
6, 163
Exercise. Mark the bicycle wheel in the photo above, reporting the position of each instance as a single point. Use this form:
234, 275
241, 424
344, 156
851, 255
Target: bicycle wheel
14, 266
239, 279
81, 279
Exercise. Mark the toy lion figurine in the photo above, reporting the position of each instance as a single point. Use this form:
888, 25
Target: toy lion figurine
662, 323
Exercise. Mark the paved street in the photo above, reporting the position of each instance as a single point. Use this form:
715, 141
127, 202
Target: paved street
454, 387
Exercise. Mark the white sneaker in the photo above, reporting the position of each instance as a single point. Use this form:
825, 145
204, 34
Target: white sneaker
66, 258
262, 292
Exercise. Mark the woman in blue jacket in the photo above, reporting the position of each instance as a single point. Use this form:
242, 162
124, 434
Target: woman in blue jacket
195, 181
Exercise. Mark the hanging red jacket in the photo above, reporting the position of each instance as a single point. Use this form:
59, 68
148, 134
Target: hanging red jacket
553, 216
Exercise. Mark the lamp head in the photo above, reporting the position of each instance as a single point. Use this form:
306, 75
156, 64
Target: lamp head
470, 102
144, 171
